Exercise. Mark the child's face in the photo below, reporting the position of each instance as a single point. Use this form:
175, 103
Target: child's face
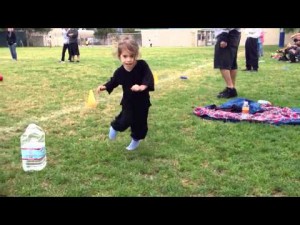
128, 59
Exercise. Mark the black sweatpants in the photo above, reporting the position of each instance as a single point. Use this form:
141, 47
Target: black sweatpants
251, 53
65, 47
135, 118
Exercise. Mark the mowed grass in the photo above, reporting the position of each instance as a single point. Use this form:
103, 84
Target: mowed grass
183, 155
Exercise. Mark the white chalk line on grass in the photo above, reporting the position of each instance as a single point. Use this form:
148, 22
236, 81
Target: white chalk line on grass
185, 73
53, 115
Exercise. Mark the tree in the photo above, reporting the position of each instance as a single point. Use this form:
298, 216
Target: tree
130, 30
30, 31
292, 30
102, 32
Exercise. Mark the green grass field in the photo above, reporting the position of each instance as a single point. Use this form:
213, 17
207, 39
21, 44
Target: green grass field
183, 155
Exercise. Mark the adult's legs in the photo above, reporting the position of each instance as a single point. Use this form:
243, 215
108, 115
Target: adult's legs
227, 78
247, 54
76, 52
251, 53
226, 60
69, 52
72, 51
63, 52
233, 74
13, 51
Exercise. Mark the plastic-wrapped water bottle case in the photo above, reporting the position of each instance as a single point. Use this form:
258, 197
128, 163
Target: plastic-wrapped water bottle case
33, 148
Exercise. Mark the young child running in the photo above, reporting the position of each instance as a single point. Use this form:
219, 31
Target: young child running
137, 81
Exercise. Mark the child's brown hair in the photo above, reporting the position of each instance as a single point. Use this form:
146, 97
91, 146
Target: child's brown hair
128, 43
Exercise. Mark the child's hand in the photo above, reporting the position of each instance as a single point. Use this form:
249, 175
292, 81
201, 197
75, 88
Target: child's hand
135, 87
101, 88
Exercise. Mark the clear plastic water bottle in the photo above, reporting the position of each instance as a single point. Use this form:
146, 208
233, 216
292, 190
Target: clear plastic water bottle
245, 111
265, 102
33, 148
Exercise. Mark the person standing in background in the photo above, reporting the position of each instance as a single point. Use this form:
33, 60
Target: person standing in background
261, 43
73, 44
65, 45
225, 58
251, 49
11, 39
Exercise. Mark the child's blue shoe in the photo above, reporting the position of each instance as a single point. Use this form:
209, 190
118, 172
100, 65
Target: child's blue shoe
133, 144
112, 133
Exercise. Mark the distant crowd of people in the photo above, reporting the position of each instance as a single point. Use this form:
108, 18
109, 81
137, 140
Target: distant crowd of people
70, 43
11, 39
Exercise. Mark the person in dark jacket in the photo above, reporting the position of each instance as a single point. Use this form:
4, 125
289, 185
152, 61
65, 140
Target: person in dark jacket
73, 44
12, 42
137, 81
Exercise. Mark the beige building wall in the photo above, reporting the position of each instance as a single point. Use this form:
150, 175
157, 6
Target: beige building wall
56, 37
169, 37
188, 37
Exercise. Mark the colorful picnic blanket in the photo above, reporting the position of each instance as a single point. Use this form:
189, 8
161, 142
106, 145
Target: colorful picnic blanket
265, 113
